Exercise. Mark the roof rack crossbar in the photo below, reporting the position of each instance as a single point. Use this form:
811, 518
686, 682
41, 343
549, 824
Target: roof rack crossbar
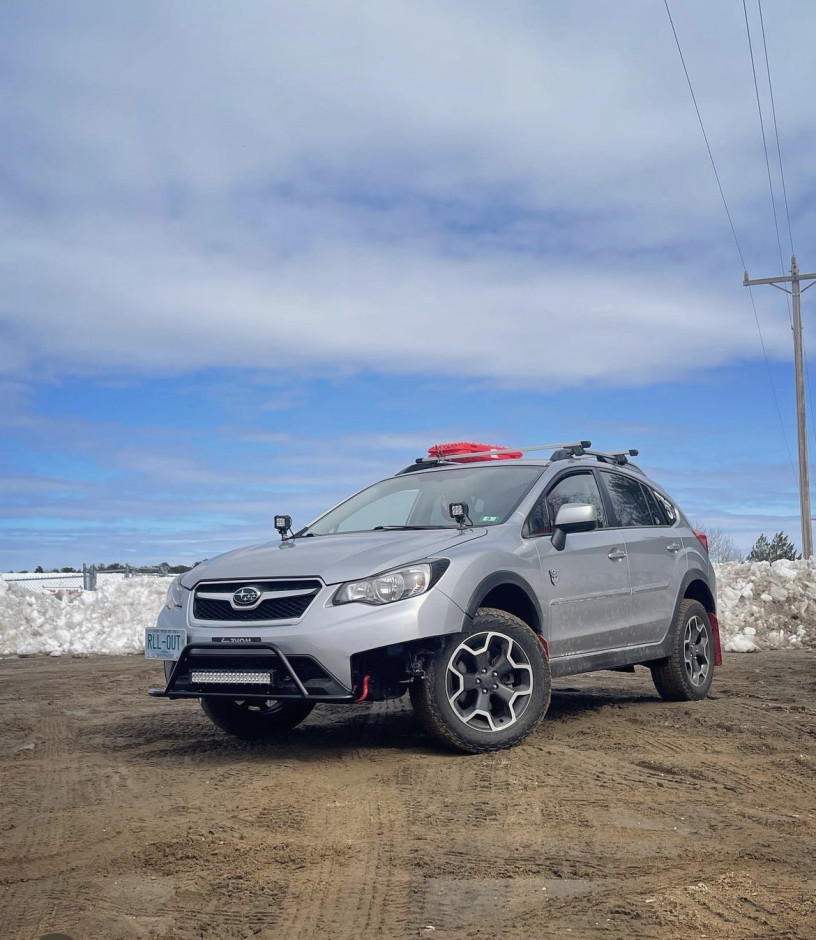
578, 446
619, 457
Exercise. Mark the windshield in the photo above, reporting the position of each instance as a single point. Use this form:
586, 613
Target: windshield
420, 500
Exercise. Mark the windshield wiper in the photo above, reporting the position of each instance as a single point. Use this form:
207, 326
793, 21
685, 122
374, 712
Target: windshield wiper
402, 528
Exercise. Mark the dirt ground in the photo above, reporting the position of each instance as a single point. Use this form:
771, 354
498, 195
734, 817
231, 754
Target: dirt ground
622, 816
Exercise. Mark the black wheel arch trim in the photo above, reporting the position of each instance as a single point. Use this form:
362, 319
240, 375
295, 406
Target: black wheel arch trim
499, 579
697, 574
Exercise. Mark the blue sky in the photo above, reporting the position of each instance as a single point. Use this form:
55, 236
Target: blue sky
256, 256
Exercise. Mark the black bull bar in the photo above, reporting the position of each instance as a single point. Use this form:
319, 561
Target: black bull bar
293, 677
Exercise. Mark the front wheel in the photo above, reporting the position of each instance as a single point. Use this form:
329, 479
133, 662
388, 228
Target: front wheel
488, 688
687, 673
254, 719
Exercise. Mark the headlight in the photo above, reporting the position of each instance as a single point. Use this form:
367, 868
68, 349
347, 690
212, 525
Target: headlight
396, 585
175, 594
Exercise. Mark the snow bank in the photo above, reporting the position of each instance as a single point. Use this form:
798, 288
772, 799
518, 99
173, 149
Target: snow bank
767, 606
761, 606
109, 620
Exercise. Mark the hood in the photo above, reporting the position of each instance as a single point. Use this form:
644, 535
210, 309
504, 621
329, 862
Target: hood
334, 558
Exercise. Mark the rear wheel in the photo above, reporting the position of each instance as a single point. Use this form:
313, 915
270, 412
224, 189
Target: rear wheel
687, 673
254, 719
488, 688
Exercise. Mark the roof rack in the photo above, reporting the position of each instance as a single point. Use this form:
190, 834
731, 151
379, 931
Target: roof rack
620, 457
575, 448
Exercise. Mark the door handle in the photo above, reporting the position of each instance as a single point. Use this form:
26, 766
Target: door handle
673, 547
616, 554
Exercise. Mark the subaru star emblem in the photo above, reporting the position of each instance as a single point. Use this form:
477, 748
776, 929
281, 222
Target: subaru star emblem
246, 596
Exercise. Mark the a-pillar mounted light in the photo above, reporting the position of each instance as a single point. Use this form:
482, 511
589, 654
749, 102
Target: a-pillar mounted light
283, 524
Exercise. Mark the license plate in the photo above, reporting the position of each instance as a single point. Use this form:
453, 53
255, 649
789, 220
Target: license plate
164, 644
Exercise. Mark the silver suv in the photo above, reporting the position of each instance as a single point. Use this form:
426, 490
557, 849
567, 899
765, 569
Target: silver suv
469, 579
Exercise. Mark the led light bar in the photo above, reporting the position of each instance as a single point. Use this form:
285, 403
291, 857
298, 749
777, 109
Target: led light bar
227, 677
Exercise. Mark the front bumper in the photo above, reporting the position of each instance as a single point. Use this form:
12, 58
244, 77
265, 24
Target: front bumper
326, 636
209, 669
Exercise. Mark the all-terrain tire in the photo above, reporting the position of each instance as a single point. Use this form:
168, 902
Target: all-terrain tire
255, 719
686, 674
488, 688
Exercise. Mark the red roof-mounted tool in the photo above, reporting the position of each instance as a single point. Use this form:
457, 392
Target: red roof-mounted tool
467, 452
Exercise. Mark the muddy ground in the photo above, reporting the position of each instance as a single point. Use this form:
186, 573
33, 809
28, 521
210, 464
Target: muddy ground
623, 816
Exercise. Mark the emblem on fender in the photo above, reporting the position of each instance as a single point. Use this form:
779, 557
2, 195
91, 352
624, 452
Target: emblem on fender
553, 576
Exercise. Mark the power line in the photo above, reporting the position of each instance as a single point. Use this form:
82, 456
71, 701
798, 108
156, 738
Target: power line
764, 140
733, 229
784, 198
705, 136
776, 127
781, 174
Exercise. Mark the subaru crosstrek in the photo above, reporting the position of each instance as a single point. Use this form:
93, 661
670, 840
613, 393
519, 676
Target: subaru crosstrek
468, 580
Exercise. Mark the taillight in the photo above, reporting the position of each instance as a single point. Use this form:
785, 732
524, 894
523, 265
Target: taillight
703, 539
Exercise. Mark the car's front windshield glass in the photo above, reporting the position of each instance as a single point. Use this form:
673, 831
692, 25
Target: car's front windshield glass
421, 500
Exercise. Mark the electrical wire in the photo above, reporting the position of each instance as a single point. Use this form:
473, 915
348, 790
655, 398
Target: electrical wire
764, 142
776, 127
733, 229
765, 148
787, 209
782, 178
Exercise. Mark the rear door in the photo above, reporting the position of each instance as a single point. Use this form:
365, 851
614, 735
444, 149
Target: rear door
587, 599
654, 553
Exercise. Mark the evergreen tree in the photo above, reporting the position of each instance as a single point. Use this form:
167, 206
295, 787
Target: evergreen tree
780, 546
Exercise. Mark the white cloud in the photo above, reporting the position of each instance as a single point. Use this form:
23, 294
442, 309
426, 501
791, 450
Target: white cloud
506, 192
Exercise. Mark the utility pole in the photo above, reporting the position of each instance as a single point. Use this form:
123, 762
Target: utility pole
801, 422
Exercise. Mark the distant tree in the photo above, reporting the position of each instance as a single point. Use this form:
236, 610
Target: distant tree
780, 546
39, 570
721, 547
68, 570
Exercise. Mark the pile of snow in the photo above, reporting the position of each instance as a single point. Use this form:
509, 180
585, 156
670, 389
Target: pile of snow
109, 620
761, 606
764, 605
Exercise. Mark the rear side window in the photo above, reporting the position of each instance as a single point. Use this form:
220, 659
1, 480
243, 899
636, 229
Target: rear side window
629, 501
576, 488
657, 515
668, 510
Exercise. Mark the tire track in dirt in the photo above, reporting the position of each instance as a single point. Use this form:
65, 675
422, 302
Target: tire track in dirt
44, 792
606, 822
354, 885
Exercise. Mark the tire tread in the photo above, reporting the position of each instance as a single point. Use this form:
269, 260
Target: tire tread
430, 717
669, 675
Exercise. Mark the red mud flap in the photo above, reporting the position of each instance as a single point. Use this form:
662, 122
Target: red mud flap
715, 629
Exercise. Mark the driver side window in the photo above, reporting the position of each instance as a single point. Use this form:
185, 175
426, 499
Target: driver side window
575, 488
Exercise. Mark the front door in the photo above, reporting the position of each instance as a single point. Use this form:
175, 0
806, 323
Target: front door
587, 597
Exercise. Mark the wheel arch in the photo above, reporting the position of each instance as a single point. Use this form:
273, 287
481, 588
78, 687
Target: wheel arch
508, 591
696, 589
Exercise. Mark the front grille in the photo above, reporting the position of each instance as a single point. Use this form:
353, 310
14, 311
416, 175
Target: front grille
216, 606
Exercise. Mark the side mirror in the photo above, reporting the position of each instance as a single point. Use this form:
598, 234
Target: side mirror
573, 517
